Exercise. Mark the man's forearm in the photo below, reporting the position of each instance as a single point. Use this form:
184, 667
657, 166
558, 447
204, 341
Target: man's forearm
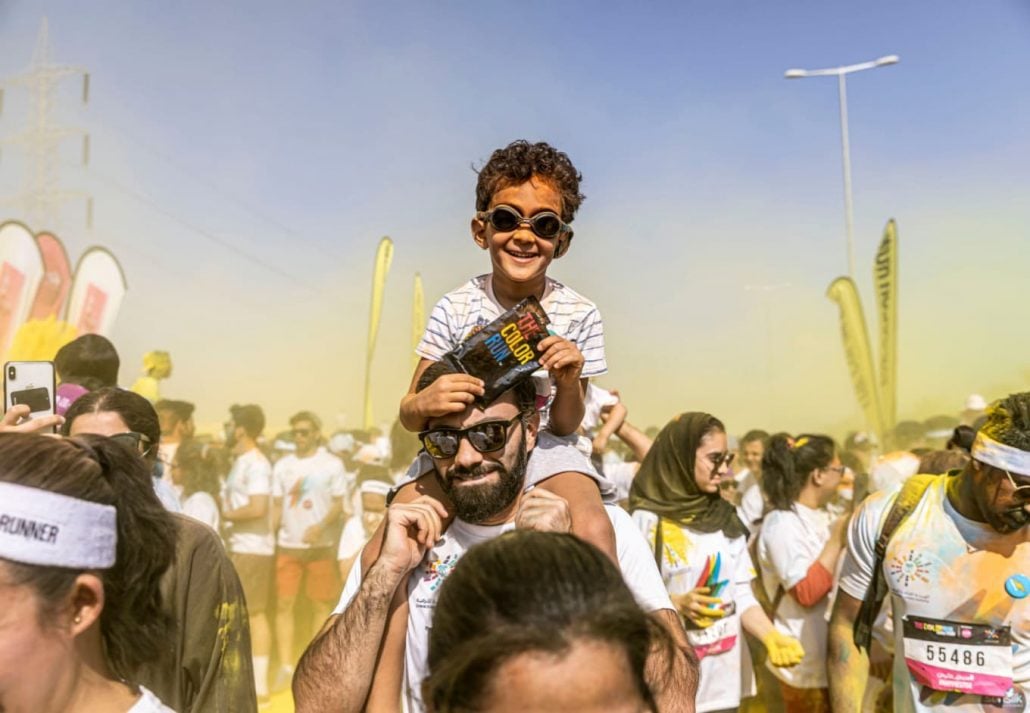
847, 668
335, 673
673, 671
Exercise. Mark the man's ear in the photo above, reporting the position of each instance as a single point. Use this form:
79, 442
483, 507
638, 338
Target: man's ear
532, 428
85, 603
479, 232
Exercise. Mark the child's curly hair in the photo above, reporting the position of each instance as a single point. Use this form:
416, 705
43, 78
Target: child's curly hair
520, 161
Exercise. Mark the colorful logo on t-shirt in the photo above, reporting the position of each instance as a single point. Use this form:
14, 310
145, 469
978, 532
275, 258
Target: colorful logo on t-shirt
710, 576
910, 568
437, 571
298, 491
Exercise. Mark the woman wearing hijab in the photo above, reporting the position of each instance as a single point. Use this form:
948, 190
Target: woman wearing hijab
701, 548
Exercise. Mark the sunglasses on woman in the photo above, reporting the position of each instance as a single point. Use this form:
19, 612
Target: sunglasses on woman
485, 437
505, 219
138, 442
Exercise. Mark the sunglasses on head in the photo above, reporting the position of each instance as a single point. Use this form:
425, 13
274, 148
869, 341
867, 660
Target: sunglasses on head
138, 442
485, 437
546, 224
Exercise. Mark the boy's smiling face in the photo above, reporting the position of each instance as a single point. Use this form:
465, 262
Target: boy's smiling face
520, 256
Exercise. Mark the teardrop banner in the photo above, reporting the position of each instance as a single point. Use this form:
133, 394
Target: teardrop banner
418, 317
885, 281
857, 350
21, 269
57, 278
384, 256
97, 292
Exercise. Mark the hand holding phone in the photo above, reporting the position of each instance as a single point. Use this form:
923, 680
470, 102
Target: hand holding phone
29, 388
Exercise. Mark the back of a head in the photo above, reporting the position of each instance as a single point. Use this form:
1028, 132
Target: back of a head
137, 413
527, 591
942, 461
1008, 421
100, 470
90, 360
787, 462
250, 418
520, 161
172, 412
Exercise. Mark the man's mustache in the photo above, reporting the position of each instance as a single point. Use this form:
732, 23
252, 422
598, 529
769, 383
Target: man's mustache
462, 472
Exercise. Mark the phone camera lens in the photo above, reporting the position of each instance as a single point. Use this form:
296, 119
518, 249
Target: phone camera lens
11, 372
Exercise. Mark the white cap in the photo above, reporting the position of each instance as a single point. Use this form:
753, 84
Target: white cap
975, 402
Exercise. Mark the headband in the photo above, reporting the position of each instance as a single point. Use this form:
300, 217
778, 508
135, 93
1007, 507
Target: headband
44, 528
987, 450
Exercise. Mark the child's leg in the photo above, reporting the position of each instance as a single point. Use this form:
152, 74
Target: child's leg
426, 484
590, 522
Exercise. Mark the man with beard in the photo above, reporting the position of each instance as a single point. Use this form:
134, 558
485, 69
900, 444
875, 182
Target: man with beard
957, 569
373, 650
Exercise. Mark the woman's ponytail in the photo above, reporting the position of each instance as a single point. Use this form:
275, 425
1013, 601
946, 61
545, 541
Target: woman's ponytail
786, 465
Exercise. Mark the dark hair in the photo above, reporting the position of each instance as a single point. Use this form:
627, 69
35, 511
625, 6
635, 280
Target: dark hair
528, 591
179, 410
755, 434
936, 462
1008, 421
249, 417
524, 390
304, 416
135, 410
962, 438
788, 461
199, 473
133, 624
90, 361
520, 161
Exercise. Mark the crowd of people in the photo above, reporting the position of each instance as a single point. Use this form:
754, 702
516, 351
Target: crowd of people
533, 552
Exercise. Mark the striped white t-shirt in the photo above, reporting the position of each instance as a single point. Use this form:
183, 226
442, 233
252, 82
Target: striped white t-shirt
462, 312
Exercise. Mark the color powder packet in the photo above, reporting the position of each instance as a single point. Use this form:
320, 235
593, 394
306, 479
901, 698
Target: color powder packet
504, 351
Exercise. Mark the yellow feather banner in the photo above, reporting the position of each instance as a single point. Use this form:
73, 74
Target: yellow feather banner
885, 280
418, 317
384, 256
857, 350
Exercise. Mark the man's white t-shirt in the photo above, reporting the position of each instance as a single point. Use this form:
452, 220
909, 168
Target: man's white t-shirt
203, 508
692, 559
941, 565
790, 542
307, 487
462, 312
251, 474
637, 564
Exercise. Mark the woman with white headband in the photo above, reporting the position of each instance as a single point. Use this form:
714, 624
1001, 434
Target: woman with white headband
83, 543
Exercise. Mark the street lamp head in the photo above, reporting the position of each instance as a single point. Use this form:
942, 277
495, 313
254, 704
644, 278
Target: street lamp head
795, 74
889, 59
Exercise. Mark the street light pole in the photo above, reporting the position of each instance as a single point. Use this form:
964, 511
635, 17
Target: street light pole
845, 146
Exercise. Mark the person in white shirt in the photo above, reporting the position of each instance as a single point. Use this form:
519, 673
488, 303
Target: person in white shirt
957, 575
701, 548
81, 608
749, 480
197, 480
246, 508
177, 427
798, 550
370, 653
309, 487
368, 513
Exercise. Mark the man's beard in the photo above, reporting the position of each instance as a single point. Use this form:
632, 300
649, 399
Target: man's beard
480, 502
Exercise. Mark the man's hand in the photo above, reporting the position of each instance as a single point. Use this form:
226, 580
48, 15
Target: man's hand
410, 530
701, 609
562, 359
451, 393
17, 420
543, 511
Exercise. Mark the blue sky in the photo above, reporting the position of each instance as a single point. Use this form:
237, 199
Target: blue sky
298, 134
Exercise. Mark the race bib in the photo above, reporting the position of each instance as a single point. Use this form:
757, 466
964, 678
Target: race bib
952, 656
718, 638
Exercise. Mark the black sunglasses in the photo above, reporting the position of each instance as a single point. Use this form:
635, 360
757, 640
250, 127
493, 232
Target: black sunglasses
718, 459
138, 442
545, 224
485, 437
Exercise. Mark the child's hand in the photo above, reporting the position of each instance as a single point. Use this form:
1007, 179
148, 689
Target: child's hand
562, 359
699, 608
451, 393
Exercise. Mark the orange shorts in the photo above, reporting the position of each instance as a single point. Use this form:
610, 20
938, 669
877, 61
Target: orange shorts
316, 567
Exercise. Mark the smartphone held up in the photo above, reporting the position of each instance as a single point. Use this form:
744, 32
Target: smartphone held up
31, 384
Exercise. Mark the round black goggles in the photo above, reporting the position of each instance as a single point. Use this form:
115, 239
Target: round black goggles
506, 219
485, 437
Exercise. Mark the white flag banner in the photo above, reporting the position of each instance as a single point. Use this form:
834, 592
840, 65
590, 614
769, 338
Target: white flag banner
97, 292
21, 269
